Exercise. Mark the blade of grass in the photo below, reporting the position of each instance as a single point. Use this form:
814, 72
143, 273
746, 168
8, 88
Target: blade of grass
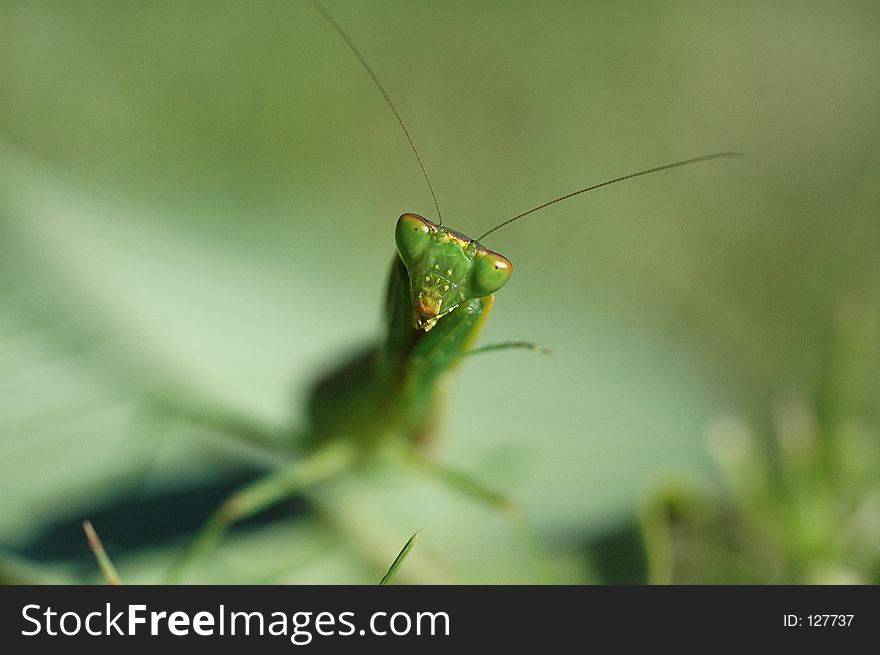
398, 561
107, 568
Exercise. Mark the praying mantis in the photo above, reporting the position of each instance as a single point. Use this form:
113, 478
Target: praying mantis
440, 292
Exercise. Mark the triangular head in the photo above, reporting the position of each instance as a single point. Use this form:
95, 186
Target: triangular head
445, 268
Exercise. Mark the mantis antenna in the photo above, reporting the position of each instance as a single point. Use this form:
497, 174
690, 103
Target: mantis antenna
656, 169
357, 53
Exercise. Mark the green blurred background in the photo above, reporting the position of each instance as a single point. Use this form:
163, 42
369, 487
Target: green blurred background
197, 202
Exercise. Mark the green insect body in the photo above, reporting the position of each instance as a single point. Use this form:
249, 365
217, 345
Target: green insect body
440, 292
439, 295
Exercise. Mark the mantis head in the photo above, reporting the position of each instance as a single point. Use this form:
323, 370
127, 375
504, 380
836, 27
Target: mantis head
445, 268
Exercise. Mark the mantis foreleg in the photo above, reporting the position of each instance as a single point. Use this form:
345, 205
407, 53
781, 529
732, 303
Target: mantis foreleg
318, 467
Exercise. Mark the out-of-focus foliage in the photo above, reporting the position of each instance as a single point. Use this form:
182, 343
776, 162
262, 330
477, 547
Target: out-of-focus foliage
801, 506
197, 204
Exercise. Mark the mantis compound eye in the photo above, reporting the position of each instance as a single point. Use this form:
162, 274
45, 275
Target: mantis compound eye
491, 272
413, 236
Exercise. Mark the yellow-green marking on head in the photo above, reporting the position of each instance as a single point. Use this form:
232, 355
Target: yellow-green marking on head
445, 268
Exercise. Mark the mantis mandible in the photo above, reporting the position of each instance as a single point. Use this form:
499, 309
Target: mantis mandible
440, 292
